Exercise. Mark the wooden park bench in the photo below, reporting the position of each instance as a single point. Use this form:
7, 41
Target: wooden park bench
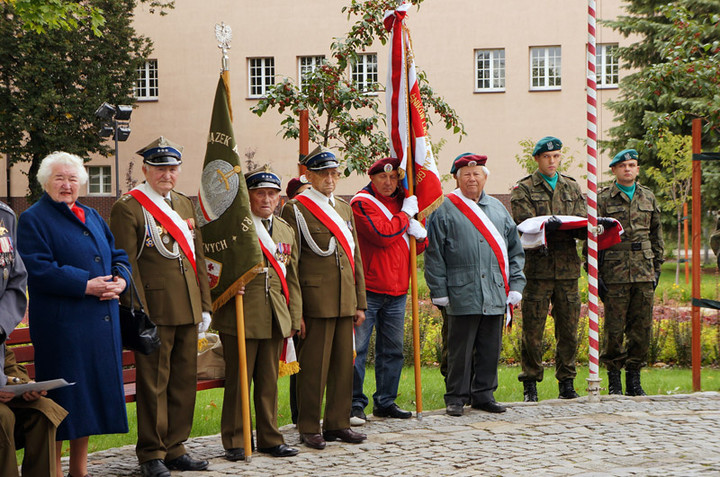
19, 339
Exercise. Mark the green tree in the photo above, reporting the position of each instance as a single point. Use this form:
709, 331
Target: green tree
677, 62
340, 115
51, 83
674, 178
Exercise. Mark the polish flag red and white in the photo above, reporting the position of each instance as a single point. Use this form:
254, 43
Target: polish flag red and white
407, 123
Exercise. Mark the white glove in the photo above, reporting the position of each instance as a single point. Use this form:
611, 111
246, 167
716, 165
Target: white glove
417, 230
513, 298
410, 205
205, 323
442, 301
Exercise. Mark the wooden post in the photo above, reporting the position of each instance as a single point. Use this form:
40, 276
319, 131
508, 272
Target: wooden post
244, 382
685, 234
696, 231
304, 138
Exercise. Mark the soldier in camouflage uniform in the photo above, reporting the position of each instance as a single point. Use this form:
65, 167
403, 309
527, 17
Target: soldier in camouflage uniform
552, 273
630, 271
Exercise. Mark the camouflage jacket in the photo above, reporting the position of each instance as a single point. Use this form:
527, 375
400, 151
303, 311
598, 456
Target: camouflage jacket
639, 256
532, 196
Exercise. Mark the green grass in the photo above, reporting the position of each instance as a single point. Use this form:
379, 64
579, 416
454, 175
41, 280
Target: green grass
209, 403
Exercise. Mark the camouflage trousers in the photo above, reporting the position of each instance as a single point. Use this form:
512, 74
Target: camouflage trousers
565, 299
628, 324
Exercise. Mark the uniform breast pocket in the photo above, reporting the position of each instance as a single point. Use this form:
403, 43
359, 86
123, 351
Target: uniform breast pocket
615, 211
542, 203
646, 209
321, 236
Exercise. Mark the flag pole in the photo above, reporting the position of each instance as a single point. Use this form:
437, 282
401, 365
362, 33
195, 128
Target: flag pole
224, 36
410, 172
593, 331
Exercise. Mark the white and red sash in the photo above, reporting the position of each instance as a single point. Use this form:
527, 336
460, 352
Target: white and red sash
489, 232
177, 227
269, 249
365, 196
318, 205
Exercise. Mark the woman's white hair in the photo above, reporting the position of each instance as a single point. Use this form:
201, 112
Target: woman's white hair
60, 158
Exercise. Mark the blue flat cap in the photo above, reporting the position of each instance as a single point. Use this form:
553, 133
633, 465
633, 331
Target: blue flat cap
263, 178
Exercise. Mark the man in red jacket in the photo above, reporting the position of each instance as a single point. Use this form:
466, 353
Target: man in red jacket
383, 218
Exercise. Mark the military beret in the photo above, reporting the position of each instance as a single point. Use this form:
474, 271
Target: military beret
263, 178
384, 165
547, 144
467, 159
161, 152
625, 155
320, 158
294, 184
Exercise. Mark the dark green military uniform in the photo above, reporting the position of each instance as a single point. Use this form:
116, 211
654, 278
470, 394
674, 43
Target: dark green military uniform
551, 274
629, 270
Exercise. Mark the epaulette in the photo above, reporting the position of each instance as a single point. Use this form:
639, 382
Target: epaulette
569, 177
181, 193
126, 197
6, 208
341, 200
525, 178
277, 217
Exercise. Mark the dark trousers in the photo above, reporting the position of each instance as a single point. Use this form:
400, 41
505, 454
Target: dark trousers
474, 343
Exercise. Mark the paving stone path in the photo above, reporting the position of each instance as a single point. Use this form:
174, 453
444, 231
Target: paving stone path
619, 436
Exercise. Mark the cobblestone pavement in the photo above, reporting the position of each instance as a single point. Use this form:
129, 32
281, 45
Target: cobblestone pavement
619, 436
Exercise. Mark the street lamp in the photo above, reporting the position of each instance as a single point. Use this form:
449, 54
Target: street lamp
116, 124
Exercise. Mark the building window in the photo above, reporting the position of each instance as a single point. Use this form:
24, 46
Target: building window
489, 70
545, 68
262, 76
146, 83
607, 66
364, 71
100, 181
306, 65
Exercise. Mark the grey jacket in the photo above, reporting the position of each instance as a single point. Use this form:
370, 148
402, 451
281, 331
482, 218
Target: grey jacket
460, 265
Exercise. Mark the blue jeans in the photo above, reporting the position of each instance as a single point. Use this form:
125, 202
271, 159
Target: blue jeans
387, 314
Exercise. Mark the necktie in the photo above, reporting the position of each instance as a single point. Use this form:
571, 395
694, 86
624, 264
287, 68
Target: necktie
266, 223
79, 213
168, 201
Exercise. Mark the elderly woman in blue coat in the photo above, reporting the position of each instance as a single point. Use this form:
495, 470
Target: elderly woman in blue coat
74, 282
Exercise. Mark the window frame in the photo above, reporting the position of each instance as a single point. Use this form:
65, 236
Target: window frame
145, 74
266, 80
548, 67
105, 180
491, 70
601, 56
317, 60
365, 86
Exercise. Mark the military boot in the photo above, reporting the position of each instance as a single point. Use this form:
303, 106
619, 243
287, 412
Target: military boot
614, 382
530, 391
567, 389
632, 383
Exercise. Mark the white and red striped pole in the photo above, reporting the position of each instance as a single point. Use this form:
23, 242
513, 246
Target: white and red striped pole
593, 335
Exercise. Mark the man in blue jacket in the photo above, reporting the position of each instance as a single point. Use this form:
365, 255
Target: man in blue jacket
473, 267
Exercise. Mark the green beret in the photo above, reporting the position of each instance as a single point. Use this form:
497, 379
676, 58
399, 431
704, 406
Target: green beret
626, 155
547, 144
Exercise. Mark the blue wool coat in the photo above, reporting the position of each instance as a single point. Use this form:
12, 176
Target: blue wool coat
76, 336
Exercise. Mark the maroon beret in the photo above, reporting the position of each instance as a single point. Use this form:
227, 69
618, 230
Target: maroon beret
384, 165
467, 159
294, 184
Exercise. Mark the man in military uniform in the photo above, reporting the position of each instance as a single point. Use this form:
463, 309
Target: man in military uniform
29, 420
552, 272
333, 297
274, 305
630, 271
156, 226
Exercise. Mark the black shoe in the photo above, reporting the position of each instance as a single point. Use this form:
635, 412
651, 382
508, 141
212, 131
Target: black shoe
632, 383
185, 462
314, 441
345, 435
393, 410
357, 416
614, 382
454, 409
282, 450
154, 468
567, 389
235, 454
490, 406
530, 391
